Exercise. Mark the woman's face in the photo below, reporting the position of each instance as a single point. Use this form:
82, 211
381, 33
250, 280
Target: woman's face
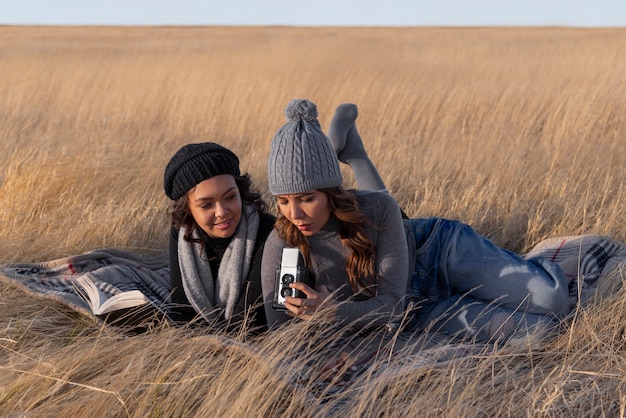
215, 205
308, 211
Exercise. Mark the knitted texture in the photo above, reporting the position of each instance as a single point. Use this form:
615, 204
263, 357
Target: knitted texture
195, 163
301, 156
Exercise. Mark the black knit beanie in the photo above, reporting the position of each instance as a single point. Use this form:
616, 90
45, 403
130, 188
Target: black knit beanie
195, 163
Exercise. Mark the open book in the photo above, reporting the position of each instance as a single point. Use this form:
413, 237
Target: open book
128, 309
101, 304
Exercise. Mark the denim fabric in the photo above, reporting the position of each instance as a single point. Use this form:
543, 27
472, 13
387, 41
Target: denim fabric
461, 280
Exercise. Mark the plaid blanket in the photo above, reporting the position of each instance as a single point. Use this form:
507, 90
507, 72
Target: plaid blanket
587, 260
113, 271
590, 262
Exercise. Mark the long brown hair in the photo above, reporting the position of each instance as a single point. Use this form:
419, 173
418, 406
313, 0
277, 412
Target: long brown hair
181, 215
360, 263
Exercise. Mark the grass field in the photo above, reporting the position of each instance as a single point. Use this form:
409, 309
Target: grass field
520, 132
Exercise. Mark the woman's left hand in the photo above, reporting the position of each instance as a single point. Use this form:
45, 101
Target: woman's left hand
304, 308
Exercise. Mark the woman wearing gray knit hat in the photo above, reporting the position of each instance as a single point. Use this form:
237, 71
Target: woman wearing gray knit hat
349, 241
218, 229
367, 260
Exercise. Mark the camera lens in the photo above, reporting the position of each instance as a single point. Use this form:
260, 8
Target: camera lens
285, 291
287, 279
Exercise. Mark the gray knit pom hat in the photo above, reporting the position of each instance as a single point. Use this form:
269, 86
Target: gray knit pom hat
195, 163
301, 155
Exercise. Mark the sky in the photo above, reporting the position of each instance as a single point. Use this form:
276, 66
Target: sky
574, 13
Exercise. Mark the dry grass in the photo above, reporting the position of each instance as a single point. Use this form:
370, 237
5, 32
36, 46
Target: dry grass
519, 132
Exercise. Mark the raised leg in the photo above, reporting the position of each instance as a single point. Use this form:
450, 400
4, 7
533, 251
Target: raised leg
350, 149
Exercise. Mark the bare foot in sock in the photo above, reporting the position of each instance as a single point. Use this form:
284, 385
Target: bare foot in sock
353, 148
344, 118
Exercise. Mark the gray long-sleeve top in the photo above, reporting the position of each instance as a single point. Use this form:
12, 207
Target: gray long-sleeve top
328, 265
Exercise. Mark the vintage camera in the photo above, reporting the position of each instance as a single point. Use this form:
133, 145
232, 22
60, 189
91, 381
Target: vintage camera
292, 269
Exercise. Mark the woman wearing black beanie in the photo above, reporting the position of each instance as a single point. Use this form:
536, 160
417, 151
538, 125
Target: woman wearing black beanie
219, 225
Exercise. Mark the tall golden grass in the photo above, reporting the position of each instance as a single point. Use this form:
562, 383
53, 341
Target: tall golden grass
519, 132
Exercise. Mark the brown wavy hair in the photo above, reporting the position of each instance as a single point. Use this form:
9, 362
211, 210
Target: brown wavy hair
360, 263
181, 215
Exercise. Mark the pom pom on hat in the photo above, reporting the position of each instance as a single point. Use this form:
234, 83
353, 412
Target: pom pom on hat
195, 163
301, 156
301, 110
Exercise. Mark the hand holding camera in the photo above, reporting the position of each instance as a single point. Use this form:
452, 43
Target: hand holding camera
292, 270
295, 291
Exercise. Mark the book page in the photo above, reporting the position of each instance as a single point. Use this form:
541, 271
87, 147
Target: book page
101, 304
121, 301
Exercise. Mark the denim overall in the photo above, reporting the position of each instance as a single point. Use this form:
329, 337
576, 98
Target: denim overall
461, 281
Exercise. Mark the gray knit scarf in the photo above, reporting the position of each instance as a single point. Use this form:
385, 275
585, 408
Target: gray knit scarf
206, 295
